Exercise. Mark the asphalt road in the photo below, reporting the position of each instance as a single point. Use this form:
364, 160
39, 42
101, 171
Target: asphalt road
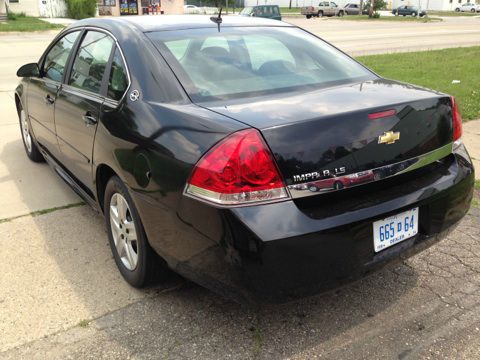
62, 297
364, 37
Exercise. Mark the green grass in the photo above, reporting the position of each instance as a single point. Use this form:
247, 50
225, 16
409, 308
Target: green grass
451, 13
417, 19
436, 70
477, 184
26, 23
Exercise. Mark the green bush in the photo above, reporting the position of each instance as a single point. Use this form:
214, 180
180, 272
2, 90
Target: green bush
81, 9
376, 15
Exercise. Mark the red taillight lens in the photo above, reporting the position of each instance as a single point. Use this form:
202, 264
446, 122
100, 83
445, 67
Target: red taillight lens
457, 120
382, 114
238, 170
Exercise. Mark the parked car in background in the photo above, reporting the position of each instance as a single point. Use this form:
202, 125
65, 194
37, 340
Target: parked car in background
324, 8
468, 7
263, 11
192, 9
350, 9
409, 10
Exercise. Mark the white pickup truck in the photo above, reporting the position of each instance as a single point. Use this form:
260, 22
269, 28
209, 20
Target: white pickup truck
324, 8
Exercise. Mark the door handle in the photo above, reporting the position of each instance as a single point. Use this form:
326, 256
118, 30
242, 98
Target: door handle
49, 100
89, 119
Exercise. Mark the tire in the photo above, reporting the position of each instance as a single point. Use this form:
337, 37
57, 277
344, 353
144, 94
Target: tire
340, 14
457, 10
404, 15
473, 10
135, 259
31, 147
414, 14
320, 14
313, 188
308, 16
338, 185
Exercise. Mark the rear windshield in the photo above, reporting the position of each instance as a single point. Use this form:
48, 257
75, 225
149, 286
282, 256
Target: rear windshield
250, 61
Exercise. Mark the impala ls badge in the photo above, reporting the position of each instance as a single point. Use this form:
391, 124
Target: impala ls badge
389, 137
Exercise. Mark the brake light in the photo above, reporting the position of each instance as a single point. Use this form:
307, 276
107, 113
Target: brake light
382, 114
238, 170
457, 120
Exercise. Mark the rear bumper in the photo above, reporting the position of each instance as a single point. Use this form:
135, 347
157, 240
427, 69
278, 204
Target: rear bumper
281, 251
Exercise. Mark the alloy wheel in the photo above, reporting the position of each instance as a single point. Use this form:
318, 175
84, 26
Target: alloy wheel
27, 138
123, 231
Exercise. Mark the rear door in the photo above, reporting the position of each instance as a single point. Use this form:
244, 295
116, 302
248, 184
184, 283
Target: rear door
79, 101
42, 91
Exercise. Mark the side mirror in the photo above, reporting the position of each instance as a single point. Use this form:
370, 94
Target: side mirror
29, 70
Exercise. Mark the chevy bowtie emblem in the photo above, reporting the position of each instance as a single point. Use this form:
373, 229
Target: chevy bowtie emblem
389, 137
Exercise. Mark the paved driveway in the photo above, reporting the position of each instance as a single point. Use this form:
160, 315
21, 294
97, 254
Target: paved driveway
61, 295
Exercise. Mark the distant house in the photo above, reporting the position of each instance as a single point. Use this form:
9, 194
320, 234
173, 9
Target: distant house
41, 8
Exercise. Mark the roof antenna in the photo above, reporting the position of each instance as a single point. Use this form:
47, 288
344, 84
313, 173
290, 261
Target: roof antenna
217, 19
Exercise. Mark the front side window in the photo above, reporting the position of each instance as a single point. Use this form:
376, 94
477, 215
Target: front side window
90, 62
56, 59
250, 61
118, 80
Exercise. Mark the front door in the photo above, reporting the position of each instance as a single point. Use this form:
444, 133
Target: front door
78, 104
42, 91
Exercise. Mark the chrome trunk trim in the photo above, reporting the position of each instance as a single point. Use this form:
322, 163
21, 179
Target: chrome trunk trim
337, 183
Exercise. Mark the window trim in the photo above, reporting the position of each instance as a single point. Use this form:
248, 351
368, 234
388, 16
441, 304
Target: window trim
43, 58
66, 81
103, 93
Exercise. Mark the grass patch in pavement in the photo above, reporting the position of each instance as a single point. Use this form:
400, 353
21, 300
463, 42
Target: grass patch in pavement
435, 70
417, 19
83, 323
26, 23
43, 212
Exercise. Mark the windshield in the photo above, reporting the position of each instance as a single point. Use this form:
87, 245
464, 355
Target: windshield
250, 61
246, 11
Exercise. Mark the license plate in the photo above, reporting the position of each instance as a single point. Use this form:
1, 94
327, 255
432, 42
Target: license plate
394, 229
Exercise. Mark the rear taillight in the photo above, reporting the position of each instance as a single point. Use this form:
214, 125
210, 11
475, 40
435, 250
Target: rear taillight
238, 170
457, 120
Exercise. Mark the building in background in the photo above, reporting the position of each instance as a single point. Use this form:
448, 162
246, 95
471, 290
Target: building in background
58, 8
139, 7
39, 8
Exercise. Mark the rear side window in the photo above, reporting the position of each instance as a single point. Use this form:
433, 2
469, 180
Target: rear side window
118, 79
90, 62
56, 59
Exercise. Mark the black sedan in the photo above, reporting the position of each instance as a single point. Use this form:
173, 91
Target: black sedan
196, 139
409, 11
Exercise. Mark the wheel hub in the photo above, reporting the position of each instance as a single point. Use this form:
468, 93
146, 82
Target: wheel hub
123, 231
27, 139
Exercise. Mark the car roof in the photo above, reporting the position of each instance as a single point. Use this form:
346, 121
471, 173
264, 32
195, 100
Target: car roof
180, 22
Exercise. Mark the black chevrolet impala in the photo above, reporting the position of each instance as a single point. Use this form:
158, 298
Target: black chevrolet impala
249, 155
